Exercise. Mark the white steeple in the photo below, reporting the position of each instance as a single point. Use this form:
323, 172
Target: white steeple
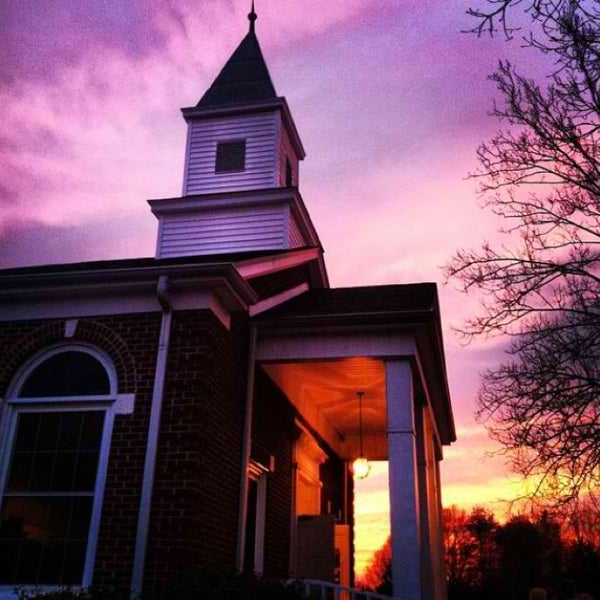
241, 168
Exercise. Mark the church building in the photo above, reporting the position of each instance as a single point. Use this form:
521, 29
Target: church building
206, 410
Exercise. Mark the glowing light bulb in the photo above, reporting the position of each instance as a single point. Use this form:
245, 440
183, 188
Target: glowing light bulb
361, 467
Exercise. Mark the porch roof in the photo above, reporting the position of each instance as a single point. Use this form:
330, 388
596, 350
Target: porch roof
360, 301
409, 310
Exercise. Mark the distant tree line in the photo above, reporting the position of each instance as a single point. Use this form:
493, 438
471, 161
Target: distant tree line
486, 559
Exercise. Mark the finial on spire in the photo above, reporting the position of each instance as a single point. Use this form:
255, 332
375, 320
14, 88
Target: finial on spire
252, 17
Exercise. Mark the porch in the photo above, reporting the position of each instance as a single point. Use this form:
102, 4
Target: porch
321, 352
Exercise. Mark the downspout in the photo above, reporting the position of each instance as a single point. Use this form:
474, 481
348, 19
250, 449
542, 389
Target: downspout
246, 449
139, 557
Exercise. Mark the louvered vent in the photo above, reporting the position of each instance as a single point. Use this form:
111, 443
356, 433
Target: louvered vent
231, 156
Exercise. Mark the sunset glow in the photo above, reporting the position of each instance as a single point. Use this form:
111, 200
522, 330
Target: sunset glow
390, 100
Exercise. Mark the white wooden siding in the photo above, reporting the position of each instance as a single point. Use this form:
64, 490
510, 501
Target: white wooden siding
223, 231
258, 130
296, 239
286, 150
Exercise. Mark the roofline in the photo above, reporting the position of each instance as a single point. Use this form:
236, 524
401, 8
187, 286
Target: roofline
196, 202
343, 319
24, 281
252, 267
214, 199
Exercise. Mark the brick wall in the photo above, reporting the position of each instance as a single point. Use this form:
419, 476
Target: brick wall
118, 526
196, 496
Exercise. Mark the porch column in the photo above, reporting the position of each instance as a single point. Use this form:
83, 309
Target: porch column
403, 481
441, 566
428, 579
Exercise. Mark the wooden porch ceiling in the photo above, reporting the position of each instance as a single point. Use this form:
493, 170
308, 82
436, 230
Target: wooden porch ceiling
325, 394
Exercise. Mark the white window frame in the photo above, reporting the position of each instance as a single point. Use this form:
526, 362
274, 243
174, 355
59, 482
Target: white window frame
111, 404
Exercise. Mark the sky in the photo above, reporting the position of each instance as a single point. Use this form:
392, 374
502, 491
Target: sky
391, 99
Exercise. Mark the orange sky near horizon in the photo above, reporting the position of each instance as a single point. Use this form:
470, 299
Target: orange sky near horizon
371, 504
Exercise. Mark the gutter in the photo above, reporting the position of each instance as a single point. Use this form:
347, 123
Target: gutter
141, 541
30, 281
246, 449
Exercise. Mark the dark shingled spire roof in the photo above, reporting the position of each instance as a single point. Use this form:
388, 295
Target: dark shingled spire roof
244, 78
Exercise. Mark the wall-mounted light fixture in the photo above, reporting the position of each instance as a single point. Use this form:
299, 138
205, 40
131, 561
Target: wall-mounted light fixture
360, 467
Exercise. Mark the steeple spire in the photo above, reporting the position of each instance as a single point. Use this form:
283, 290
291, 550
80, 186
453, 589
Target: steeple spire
252, 17
245, 77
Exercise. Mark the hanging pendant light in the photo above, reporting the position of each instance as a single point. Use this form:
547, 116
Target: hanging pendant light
360, 467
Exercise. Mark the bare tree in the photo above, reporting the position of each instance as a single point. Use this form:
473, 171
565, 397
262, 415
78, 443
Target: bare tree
460, 548
470, 551
580, 521
541, 176
497, 15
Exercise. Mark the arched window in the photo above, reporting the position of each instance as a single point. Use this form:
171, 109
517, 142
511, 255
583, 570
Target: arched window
54, 443
68, 373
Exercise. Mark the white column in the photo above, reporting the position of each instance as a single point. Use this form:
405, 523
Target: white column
440, 532
403, 481
422, 443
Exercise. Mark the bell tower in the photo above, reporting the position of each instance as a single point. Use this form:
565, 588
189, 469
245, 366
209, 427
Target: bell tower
240, 183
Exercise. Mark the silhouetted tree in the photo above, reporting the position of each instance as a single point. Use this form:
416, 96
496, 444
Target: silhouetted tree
489, 561
470, 551
581, 520
520, 554
378, 576
482, 525
492, 16
459, 550
541, 177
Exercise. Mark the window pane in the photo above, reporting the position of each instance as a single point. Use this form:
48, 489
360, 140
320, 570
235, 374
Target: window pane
9, 552
41, 474
64, 471
84, 477
70, 431
74, 561
51, 562
48, 432
61, 453
28, 565
45, 538
79, 521
20, 474
28, 430
91, 430
68, 373
46, 535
